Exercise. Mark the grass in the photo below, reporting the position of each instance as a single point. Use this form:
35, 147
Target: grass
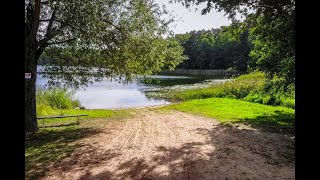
237, 88
49, 100
231, 111
92, 114
62, 102
50, 145
253, 87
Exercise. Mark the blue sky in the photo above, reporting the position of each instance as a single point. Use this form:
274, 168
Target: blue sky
189, 20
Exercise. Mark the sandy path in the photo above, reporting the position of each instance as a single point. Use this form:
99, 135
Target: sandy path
176, 145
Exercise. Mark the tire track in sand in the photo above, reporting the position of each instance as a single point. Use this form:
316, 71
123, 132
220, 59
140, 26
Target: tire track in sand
176, 145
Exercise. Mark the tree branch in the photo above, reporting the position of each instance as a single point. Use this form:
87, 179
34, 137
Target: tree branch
44, 20
51, 35
110, 23
45, 2
44, 41
36, 17
118, 28
51, 21
61, 42
39, 52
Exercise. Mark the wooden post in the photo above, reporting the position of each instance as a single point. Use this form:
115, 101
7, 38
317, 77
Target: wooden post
78, 121
43, 122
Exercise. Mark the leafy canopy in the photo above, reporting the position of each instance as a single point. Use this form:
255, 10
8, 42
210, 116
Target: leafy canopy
86, 40
227, 47
272, 31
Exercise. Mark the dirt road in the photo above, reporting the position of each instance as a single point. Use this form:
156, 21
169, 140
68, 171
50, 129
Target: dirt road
175, 145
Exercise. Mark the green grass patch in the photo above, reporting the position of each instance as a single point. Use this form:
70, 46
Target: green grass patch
92, 114
237, 111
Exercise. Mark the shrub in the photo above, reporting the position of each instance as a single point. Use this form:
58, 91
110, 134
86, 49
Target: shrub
50, 99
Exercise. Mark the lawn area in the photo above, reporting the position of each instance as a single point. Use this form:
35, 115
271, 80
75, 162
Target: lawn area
230, 111
55, 142
92, 114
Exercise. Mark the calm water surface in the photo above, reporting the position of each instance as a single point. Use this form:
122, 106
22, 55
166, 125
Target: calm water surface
110, 94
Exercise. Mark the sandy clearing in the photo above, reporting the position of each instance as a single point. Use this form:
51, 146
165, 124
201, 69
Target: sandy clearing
176, 145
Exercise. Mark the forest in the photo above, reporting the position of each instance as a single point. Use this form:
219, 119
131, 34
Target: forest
237, 47
221, 48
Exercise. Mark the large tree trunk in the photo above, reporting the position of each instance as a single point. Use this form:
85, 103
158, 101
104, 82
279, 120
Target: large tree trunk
30, 105
32, 53
30, 92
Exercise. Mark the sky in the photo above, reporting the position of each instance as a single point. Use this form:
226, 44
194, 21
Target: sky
189, 20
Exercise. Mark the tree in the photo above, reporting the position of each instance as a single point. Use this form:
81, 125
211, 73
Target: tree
90, 39
272, 23
223, 48
274, 46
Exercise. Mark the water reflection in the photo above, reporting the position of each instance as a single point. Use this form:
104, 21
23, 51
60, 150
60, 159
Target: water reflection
110, 94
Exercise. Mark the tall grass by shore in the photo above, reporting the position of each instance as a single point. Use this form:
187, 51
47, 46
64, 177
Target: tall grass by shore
49, 100
253, 87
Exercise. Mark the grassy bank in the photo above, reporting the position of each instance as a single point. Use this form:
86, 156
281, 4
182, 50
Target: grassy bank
92, 114
49, 100
254, 87
62, 102
230, 111
251, 99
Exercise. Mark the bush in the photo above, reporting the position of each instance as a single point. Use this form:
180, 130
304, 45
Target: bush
50, 99
274, 92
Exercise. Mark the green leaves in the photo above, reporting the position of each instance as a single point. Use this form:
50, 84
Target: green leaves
272, 31
226, 47
274, 46
91, 39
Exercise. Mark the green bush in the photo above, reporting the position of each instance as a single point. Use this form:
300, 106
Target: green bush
274, 92
50, 99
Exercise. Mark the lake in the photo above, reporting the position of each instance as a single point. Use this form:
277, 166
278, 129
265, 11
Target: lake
110, 94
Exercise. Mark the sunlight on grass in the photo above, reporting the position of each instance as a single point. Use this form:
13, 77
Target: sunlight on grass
237, 111
92, 114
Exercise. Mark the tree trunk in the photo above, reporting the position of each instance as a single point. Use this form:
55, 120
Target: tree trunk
32, 53
30, 93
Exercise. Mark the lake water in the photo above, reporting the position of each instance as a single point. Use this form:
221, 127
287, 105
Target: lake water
110, 94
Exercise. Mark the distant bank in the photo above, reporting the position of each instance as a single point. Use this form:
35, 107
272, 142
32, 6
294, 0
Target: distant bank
204, 72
